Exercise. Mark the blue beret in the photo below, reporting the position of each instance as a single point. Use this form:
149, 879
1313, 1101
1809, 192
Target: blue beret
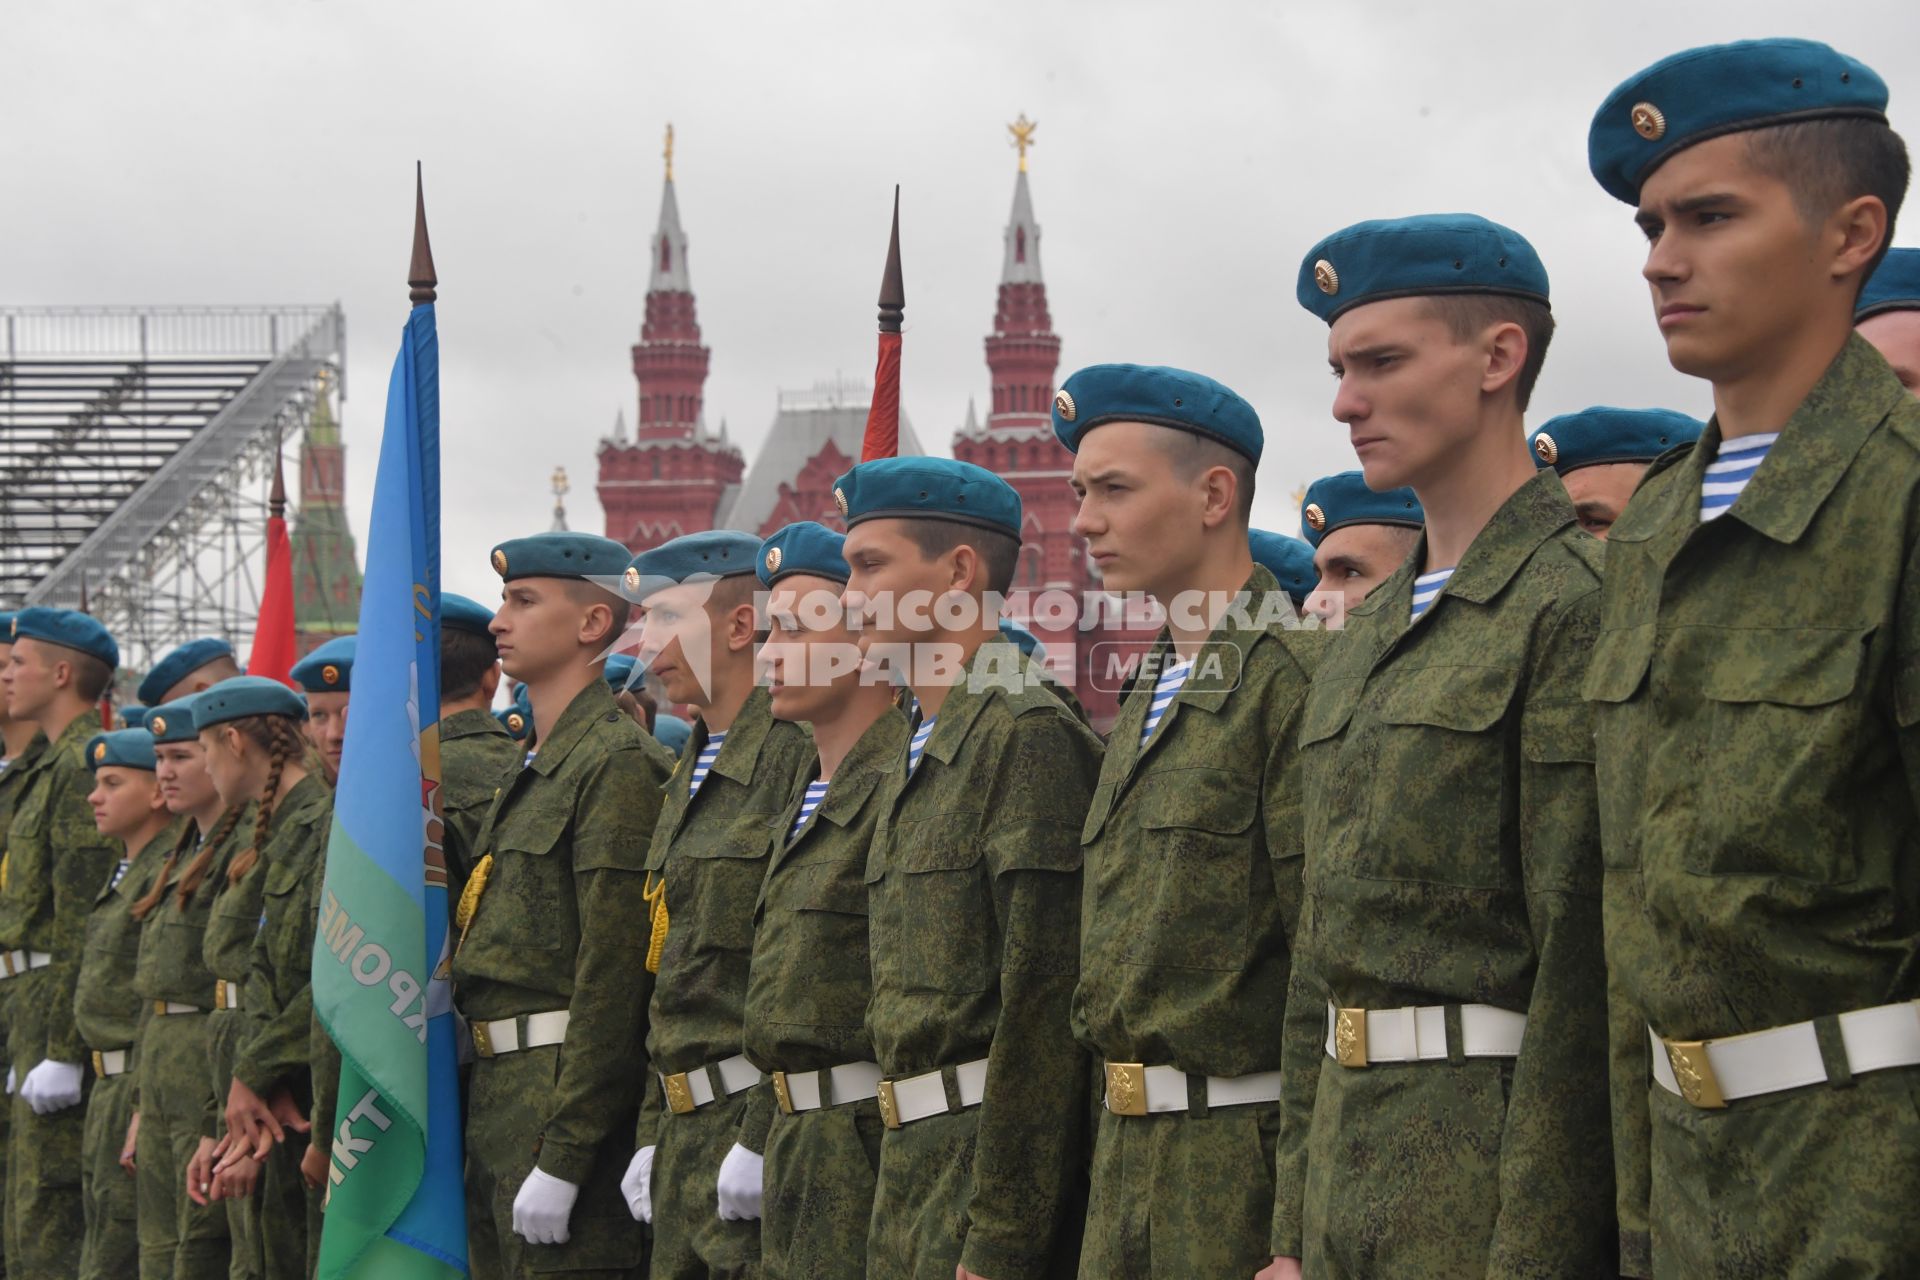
1288, 559
1335, 501
692, 557
128, 748
1603, 434
1162, 396
560, 555
928, 489
328, 669
173, 721
133, 717
517, 716
1433, 253
462, 614
804, 547
244, 696
671, 732
1894, 286
68, 628
618, 671
6, 628
180, 664
1029, 643
1720, 89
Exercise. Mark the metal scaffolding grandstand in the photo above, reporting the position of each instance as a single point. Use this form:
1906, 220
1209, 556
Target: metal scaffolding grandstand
136, 450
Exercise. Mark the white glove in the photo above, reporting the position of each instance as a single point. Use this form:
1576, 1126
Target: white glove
637, 1185
541, 1209
53, 1086
742, 1174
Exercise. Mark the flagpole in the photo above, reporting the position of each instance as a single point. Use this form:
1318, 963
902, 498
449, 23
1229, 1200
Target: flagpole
882, 438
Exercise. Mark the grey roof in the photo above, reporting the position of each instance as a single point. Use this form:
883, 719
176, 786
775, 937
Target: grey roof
672, 277
801, 428
1021, 264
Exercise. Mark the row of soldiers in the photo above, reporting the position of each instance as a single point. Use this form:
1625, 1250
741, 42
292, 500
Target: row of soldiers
1554, 916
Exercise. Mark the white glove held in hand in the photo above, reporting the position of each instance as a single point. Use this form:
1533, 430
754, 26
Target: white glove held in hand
742, 1175
637, 1185
53, 1086
541, 1209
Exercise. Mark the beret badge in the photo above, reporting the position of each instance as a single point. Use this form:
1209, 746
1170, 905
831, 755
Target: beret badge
1648, 121
1325, 278
1544, 447
500, 562
157, 724
330, 674
99, 752
1316, 518
1064, 406
773, 559
840, 500
631, 578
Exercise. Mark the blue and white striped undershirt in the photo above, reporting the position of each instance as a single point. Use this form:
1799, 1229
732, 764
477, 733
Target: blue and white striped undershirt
1426, 589
816, 792
1172, 677
704, 762
918, 747
1729, 472
119, 873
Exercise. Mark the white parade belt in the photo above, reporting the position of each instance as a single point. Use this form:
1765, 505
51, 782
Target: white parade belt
1136, 1090
690, 1090
1711, 1073
108, 1063
1363, 1037
914, 1098
15, 963
800, 1090
510, 1035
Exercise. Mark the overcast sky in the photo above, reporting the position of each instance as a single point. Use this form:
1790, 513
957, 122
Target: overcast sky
1187, 156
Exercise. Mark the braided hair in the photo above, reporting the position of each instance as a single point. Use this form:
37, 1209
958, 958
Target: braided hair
282, 740
203, 860
158, 890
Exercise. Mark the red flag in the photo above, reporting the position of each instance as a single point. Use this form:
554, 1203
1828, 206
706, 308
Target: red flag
882, 439
272, 654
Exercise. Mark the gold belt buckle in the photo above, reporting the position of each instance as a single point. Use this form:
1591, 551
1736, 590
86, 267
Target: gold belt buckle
889, 1108
1693, 1072
482, 1039
219, 993
780, 1092
679, 1097
1127, 1088
1350, 1037
159, 1008
99, 1064
8, 957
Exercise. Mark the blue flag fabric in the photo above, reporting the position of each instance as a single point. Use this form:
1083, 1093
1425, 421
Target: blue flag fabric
395, 1208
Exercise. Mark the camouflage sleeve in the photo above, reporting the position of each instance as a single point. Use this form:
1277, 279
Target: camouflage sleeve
1556, 1183
606, 1030
326, 1084
653, 1109
1030, 1144
277, 1046
1303, 1033
1628, 1074
83, 859
756, 1117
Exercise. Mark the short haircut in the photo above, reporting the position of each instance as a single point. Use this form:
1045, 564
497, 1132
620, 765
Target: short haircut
1192, 453
465, 657
588, 594
90, 675
1826, 163
1468, 315
999, 552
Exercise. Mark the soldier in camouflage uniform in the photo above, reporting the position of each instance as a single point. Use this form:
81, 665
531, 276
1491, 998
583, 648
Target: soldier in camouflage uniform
250, 729
973, 890
1755, 689
129, 808
477, 754
1888, 314
704, 872
182, 1237
1451, 896
1601, 453
1192, 842
818, 1124
56, 862
21, 747
549, 968
1358, 537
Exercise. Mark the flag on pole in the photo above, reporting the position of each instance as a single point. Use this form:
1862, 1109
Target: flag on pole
395, 1209
882, 439
272, 654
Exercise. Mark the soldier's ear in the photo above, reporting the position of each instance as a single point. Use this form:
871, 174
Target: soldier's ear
63, 674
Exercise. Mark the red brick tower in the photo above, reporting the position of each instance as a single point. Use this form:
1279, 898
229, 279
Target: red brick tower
671, 479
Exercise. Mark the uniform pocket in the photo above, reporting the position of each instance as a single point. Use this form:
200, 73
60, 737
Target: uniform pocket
942, 905
1780, 712
715, 881
1193, 836
529, 898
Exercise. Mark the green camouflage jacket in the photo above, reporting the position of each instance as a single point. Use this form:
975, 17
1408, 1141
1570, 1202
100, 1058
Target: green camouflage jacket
56, 862
279, 997
562, 921
809, 986
106, 1007
1757, 689
14, 780
1453, 858
477, 759
172, 964
710, 854
973, 889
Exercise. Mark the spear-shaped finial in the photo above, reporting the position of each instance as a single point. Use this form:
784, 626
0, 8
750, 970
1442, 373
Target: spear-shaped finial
893, 290
277, 496
420, 274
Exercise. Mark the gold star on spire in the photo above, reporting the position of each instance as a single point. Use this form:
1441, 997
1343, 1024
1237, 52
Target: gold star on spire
668, 152
1022, 131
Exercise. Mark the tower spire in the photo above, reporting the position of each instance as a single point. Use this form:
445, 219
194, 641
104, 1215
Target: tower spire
1023, 352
